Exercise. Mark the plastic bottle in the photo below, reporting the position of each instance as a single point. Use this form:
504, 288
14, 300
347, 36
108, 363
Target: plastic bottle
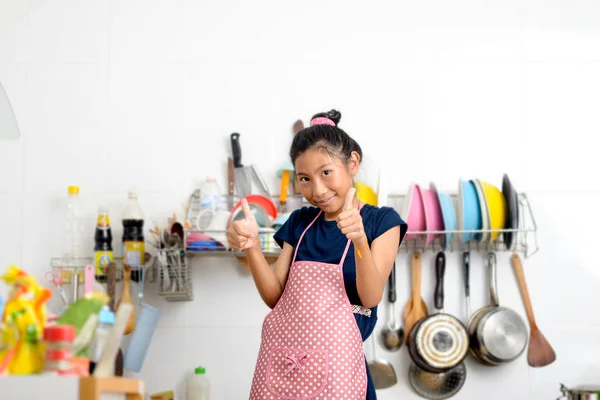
210, 200
133, 235
73, 231
198, 386
106, 320
103, 249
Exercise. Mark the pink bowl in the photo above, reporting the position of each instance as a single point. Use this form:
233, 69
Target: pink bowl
433, 213
413, 211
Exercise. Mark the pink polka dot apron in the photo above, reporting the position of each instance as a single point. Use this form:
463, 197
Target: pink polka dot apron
311, 346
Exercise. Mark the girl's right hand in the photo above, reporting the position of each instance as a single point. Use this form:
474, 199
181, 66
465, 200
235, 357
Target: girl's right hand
243, 234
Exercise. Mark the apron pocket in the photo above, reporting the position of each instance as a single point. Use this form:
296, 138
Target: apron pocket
297, 373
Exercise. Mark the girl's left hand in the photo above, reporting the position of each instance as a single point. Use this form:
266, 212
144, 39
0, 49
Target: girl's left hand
350, 222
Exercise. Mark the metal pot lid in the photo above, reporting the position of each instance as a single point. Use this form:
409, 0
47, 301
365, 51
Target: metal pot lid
504, 334
442, 341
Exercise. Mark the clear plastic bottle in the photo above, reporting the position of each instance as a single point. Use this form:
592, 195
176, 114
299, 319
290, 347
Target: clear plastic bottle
210, 200
73, 232
133, 235
198, 386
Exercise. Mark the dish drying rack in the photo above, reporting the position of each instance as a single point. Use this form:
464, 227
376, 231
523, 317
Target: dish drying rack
524, 237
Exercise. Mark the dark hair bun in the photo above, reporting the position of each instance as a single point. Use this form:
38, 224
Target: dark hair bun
334, 115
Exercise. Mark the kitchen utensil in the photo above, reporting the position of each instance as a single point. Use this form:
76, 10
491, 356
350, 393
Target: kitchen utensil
382, 372
499, 334
285, 183
111, 283
437, 386
439, 341
126, 298
142, 336
56, 278
433, 214
415, 308
89, 278
582, 393
413, 212
244, 175
512, 204
496, 207
484, 236
230, 182
466, 261
469, 210
104, 368
264, 189
393, 335
448, 215
540, 353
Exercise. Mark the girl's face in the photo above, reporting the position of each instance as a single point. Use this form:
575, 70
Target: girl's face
324, 180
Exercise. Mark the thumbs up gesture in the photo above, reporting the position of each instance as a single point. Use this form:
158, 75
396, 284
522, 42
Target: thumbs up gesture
349, 221
243, 234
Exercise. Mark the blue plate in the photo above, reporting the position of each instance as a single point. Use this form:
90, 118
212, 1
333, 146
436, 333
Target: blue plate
448, 214
469, 210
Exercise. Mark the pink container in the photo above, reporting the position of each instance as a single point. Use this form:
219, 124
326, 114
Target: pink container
433, 213
413, 212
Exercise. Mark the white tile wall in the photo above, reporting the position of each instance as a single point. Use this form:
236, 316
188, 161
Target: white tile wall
144, 94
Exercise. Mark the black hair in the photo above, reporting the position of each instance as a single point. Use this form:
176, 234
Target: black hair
330, 138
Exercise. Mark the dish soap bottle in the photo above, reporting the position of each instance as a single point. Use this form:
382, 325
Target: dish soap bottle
198, 386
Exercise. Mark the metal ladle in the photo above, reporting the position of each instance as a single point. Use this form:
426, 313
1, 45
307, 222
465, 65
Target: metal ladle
382, 372
392, 337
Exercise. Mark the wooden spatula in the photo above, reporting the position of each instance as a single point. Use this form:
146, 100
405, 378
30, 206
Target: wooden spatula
539, 353
126, 298
415, 307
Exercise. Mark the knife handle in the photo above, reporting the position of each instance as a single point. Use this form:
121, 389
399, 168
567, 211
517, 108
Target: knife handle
236, 150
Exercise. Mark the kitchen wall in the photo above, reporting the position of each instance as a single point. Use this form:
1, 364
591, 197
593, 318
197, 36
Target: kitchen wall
111, 95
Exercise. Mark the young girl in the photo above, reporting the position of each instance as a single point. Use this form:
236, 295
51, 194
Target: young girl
330, 277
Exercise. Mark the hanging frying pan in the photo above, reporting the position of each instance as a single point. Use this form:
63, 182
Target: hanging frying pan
438, 342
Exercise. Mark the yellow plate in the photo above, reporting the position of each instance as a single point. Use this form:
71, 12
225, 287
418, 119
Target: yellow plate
496, 206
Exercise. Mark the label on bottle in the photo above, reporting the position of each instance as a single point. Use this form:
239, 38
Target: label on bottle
133, 254
103, 258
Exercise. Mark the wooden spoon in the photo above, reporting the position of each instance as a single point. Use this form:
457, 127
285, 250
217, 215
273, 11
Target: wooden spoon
415, 307
126, 298
539, 353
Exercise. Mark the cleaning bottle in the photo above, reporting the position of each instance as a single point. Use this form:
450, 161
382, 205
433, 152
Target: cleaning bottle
198, 386
133, 236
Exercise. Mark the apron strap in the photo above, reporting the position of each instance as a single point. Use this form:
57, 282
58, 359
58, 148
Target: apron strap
301, 236
360, 206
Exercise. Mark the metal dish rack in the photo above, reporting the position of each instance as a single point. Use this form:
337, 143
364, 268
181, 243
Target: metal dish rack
524, 237
524, 241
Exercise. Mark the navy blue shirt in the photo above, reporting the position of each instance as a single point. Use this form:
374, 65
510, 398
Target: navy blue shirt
324, 242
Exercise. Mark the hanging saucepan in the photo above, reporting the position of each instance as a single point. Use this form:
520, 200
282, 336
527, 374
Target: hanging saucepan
498, 334
439, 341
